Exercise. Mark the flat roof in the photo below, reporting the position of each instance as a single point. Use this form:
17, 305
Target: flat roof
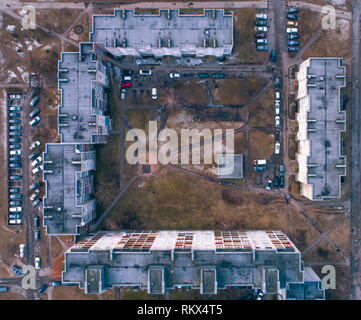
321, 122
144, 31
230, 166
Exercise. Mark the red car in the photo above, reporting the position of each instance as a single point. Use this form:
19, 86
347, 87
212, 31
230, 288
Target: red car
126, 85
261, 35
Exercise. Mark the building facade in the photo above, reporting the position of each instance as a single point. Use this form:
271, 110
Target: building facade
208, 261
321, 120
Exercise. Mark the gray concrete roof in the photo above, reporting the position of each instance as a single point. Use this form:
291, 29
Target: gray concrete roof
143, 32
181, 267
78, 86
320, 124
230, 166
62, 213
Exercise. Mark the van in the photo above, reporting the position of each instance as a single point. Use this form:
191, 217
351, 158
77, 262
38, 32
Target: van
36, 161
292, 30
277, 95
154, 93
260, 162
145, 72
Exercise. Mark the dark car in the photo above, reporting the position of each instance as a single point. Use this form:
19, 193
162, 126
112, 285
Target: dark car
282, 182
127, 72
293, 43
15, 203
261, 35
4, 289
15, 159
292, 10
276, 181
14, 115
292, 17
36, 222
273, 56
203, 75
293, 49
218, 75
34, 186
42, 288
277, 83
293, 36
261, 23
15, 165
37, 234
16, 269
262, 48
33, 155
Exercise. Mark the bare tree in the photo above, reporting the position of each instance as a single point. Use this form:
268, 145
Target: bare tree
171, 100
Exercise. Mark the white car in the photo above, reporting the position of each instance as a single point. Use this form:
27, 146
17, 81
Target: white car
37, 263
277, 121
122, 94
34, 121
15, 209
14, 221
261, 29
36, 161
277, 95
35, 145
292, 30
22, 250
261, 16
154, 93
277, 108
174, 75
16, 152
277, 148
34, 195
145, 72
37, 170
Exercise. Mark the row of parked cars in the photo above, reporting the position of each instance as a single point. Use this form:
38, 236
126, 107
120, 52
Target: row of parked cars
261, 29
292, 30
15, 160
278, 180
126, 83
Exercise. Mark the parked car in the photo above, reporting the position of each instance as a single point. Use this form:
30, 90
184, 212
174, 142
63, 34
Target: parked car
14, 190
292, 30
22, 250
14, 146
261, 16
260, 23
14, 165
34, 195
269, 184
15, 159
15, 209
277, 83
273, 56
277, 148
123, 93
292, 16
145, 72
35, 101
282, 170
126, 85
292, 23
36, 222
261, 41
293, 36
14, 221
174, 75
261, 35
4, 289
203, 75
34, 121
14, 115
14, 121
15, 133
15, 152
14, 140
261, 29
55, 283
13, 128
37, 267
34, 145
282, 182
43, 287
218, 75
16, 196
34, 186
13, 215
292, 10
36, 202
14, 178
37, 170
277, 108
35, 112
15, 108
33, 155
36, 161
127, 78
293, 49
277, 121
262, 48
276, 181
16, 269
154, 93
15, 203
37, 234
277, 95
293, 43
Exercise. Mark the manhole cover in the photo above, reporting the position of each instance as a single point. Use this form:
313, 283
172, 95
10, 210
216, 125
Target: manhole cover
78, 29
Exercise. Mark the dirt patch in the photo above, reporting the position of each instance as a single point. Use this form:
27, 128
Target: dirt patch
191, 92
261, 144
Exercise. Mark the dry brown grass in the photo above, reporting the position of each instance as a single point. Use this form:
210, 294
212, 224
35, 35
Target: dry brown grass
261, 144
191, 92
261, 111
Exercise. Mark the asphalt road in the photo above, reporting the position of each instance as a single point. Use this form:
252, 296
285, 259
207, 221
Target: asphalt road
355, 274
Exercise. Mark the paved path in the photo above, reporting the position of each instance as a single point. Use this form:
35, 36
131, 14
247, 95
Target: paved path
318, 8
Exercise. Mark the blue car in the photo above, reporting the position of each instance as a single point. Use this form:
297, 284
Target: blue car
16, 269
293, 43
293, 49
262, 48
